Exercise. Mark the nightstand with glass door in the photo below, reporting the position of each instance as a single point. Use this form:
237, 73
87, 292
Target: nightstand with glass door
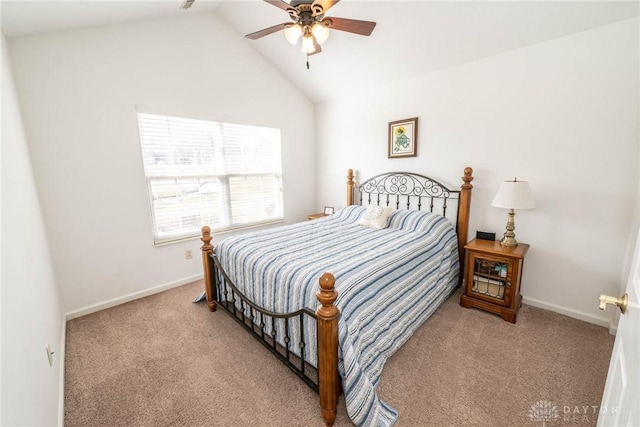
493, 276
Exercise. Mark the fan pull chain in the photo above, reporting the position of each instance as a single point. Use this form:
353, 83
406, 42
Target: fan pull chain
307, 61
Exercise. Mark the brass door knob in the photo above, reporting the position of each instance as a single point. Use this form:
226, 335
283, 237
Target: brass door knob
620, 302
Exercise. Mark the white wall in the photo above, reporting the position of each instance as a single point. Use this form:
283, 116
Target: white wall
561, 114
79, 90
31, 313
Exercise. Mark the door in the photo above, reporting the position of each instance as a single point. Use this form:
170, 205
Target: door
621, 396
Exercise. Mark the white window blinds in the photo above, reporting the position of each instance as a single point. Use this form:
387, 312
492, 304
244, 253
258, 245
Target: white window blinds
201, 172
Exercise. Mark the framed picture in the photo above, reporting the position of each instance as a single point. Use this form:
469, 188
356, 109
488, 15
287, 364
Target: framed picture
403, 138
328, 210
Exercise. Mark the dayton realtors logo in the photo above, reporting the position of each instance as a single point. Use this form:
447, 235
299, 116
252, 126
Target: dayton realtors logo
544, 411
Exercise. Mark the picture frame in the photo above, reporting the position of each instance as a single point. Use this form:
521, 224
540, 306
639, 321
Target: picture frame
403, 140
328, 210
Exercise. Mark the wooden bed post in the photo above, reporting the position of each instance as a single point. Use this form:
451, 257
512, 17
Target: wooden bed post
207, 249
328, 377
350, 185
463, 215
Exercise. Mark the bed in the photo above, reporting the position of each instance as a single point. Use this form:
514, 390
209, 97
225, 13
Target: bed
335, 297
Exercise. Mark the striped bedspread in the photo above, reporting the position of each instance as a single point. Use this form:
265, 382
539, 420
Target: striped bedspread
389, 282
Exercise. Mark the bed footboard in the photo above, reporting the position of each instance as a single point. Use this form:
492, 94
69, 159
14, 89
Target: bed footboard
328, 377
207, 250
324, 379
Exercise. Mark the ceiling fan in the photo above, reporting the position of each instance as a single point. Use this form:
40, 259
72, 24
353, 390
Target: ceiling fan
309, 21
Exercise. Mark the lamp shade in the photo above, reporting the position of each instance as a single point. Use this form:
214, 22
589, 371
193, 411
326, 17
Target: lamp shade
514, 195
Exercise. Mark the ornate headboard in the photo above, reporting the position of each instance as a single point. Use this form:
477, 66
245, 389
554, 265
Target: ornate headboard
407, 190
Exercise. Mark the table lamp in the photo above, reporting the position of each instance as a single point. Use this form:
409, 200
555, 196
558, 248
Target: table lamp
513, 195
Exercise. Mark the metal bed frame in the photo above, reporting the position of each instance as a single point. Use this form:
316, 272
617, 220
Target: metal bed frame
388, 189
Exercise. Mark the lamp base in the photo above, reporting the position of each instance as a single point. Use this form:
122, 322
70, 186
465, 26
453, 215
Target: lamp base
508, 241
509, 238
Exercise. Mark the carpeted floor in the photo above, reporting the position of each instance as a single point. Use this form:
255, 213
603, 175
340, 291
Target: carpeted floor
165, 361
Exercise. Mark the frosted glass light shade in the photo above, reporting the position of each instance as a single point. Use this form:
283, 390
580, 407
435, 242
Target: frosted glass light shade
514, 195
320, 32
292, 33
308, 46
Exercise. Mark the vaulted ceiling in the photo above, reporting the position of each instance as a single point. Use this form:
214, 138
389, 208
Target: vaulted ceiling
411, 38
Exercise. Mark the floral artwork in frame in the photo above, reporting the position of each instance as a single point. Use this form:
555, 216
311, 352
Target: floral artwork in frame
402, 138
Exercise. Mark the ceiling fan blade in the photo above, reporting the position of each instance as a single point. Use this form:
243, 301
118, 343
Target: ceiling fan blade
324, 6
363, 28
265, 32
280, 4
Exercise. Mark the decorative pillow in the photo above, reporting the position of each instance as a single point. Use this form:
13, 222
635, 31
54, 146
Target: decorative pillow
376, 217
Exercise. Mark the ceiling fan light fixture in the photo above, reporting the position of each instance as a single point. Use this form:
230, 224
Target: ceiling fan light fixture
309, 22
292, 33
320, 31
308, 46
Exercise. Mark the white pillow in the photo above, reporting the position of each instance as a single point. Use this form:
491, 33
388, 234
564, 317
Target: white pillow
376, 217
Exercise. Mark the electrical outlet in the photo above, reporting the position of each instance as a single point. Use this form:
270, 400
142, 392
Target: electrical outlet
50, 355
188, 254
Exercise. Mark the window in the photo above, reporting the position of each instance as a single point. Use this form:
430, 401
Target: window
202, 172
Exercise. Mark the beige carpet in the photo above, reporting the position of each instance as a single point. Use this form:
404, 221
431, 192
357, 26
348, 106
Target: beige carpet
165, 361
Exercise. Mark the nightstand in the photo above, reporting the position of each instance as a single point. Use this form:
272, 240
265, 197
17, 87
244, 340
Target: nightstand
316, 216
492, 277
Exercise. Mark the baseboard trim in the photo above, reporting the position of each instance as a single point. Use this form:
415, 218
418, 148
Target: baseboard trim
600, 321
132, 296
